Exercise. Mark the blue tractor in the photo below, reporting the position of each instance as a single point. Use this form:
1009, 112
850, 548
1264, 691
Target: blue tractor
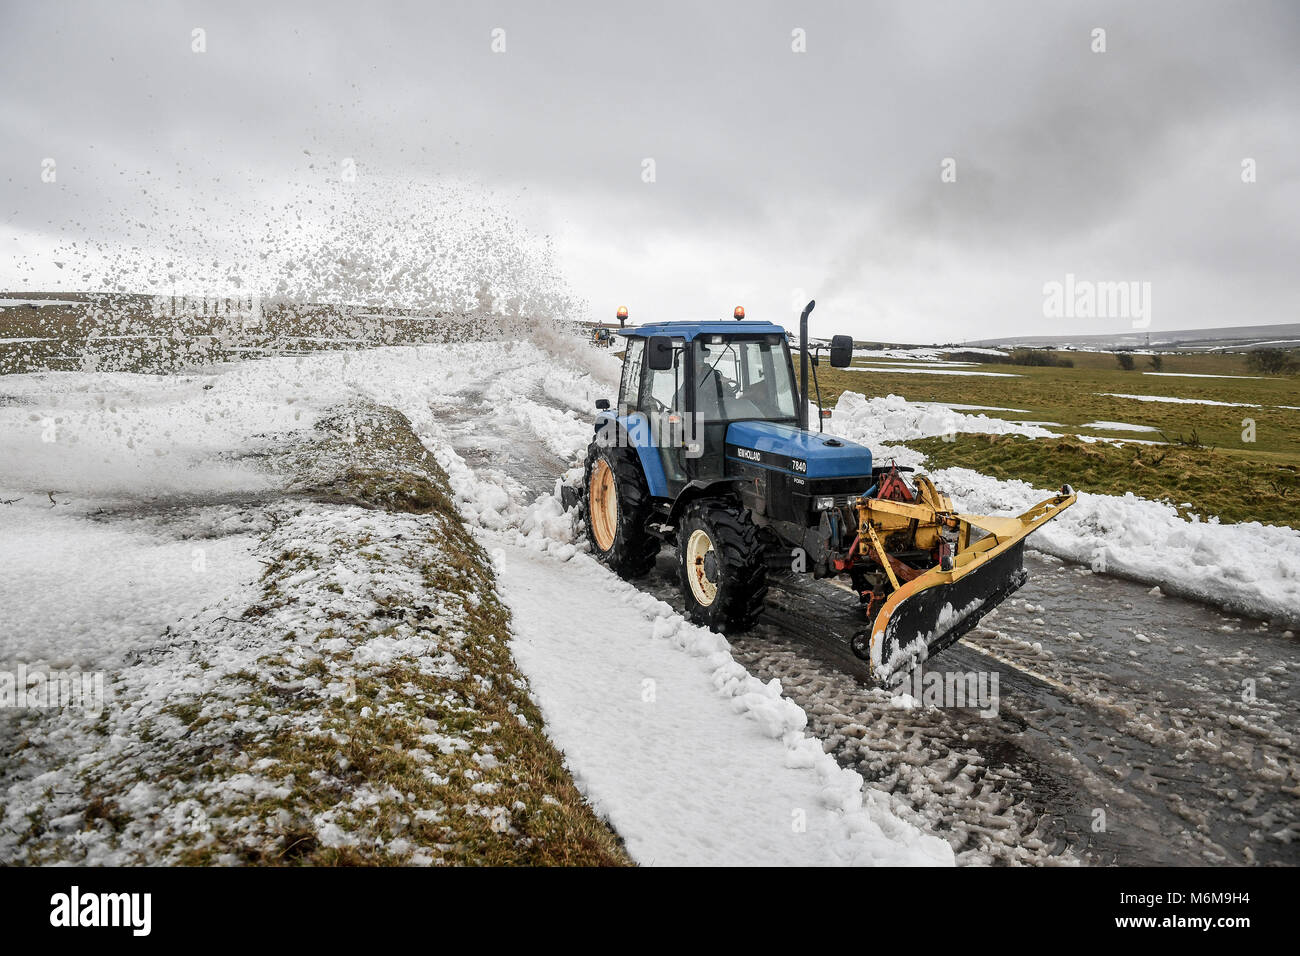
710, 450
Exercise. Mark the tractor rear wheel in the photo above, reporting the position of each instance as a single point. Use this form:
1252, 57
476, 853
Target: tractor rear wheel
618, 505
720, 558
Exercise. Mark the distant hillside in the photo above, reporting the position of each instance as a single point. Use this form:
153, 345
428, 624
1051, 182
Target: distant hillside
1239, 337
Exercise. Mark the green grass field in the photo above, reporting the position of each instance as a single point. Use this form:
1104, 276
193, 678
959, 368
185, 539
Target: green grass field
1230, 476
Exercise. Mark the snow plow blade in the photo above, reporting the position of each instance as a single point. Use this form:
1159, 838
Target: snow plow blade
935, 609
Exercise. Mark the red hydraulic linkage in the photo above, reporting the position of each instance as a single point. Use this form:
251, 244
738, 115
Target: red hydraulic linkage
893, 487
843, 564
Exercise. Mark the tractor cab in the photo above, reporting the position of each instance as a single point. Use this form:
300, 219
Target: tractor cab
689, 390
684, 383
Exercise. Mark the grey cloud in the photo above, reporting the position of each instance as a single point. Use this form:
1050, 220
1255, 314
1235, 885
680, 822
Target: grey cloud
818, 169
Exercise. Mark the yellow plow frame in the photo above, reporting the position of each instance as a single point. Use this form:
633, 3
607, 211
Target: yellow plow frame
926, 610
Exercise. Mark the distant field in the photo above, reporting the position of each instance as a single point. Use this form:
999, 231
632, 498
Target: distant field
1230, 477
113, 332
1074, 397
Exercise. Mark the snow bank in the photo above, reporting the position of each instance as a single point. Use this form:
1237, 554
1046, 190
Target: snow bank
892, 418
96, 557
1248, 568
644, 705
123, 435
83, 593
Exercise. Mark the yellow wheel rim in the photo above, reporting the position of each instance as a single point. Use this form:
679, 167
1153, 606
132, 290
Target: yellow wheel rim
698, 548
604, 505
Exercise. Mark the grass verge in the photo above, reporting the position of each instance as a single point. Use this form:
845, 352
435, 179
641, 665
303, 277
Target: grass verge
1196, 481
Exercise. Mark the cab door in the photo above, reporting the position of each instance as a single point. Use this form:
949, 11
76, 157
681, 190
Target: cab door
707, 413
663, 399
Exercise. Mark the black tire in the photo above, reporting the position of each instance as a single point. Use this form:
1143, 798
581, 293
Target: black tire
738, 571
632, 550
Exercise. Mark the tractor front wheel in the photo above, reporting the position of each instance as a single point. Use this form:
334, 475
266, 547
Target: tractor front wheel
618, 504
723, 574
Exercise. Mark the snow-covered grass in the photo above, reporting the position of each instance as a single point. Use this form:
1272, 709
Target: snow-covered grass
919, 370
981, 351
923, 364
1117, 427
355, 702
1232, 451
68, 602
354, 697
1198, 484
1198, 375
1248, 567
960, 407
921, 354
1096, 389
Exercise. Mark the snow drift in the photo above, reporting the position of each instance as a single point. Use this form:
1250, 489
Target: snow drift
1249, 568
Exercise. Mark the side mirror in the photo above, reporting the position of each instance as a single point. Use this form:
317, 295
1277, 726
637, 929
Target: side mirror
841, 351
602, 404
659, 353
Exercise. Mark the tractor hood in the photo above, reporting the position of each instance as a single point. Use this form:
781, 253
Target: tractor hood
789, 448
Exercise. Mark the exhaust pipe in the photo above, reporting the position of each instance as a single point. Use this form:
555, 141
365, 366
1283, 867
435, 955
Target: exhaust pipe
803, 364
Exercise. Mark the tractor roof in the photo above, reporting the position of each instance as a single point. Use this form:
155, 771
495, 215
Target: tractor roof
689, 330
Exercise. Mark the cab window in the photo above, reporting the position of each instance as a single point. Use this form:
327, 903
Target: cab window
664, 388
743, 378
631, 386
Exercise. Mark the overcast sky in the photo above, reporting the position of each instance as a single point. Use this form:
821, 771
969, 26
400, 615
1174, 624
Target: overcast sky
777, 175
